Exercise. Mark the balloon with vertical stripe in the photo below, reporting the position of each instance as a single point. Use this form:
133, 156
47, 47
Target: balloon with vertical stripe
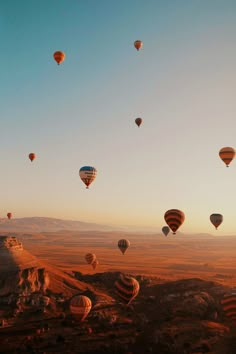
88, 175
80, 307
174, 219
228, 303
123, 245
127, 288
216, 219
227, 154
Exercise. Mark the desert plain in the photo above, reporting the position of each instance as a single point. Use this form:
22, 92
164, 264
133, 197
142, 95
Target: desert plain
209, 257
178, 310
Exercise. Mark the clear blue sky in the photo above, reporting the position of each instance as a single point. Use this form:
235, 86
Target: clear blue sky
182, 83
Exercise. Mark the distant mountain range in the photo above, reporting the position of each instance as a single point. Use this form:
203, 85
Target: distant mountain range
44, 224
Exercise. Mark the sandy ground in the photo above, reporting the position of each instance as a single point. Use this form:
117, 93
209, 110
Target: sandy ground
173, 257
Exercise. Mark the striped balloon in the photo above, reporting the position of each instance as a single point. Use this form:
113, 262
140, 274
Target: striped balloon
216, 219
174, 219
80, 307
123, 245
87, 175
90, 258
32, 156
227, 154
228, 303
127, 288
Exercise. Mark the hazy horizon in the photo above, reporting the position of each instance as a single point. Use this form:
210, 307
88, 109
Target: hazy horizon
47, 223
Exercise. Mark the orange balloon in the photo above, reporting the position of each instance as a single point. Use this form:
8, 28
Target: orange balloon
9, 215
138, 44
80, 307
59, 57
227, 154
32, 156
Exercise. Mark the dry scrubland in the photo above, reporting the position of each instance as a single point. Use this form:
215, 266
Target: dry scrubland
174, 257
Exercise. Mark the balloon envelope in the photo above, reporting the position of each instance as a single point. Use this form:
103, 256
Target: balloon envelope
32, 156
165, 230
123, 245
228, 303
9, 215
216, 219
80, 307
227, 154
174, 219
138, 121
59, 57
88, 175
138, 44
127, 288
90, 258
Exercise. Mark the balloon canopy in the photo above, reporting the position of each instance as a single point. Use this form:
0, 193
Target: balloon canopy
174, 219
59, 57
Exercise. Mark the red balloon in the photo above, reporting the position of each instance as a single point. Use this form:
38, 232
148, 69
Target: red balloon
32, 156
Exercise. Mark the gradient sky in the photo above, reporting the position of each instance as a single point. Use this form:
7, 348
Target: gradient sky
182, 83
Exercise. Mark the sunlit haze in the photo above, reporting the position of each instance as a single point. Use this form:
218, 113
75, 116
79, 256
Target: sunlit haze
182, 83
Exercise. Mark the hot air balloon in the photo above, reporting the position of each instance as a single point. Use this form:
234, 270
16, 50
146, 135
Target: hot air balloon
32, 156
123, 245
95, 263
228, 303
227, 154
88, 175
90, 258
80, 307
165, 230
9, 215
216, 219
59, 57
138, 44
127, 288
174, 219
138, 121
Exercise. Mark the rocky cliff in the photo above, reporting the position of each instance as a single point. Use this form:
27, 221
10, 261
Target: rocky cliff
20, 271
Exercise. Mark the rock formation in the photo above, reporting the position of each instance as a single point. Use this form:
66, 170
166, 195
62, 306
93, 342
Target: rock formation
20, 271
